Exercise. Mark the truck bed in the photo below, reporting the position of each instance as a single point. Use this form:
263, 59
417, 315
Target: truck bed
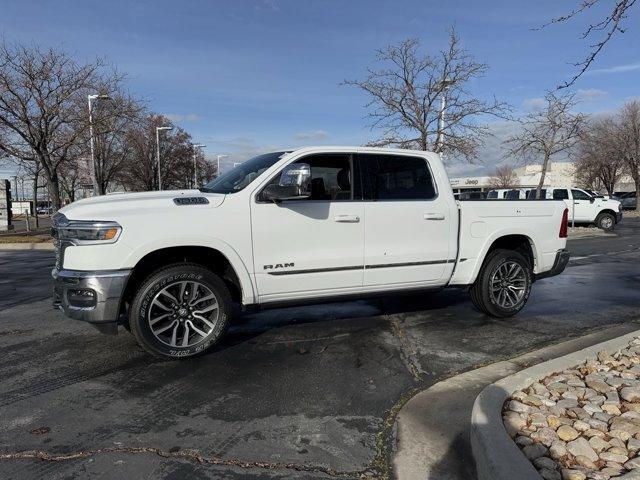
484, 221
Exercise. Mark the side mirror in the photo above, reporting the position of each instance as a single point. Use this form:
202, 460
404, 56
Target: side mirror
592, 199
295, 184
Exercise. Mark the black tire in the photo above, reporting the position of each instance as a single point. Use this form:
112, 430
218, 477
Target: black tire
606, 222
480, 291
171, 277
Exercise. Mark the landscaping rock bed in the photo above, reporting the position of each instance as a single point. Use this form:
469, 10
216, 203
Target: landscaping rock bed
582, 423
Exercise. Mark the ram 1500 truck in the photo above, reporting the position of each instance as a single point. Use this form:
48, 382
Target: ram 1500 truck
311, 224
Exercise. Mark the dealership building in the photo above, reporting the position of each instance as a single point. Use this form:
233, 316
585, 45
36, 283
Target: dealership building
559, 175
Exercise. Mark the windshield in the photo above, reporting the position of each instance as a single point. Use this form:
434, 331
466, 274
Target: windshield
235, 180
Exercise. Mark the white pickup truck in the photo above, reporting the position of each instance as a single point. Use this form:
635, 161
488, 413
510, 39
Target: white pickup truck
311, 224
586, 207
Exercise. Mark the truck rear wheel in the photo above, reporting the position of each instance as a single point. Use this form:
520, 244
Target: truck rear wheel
606, 222
180, 311
503, 284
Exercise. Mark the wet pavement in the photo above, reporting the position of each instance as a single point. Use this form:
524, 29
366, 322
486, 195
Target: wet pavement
307, 392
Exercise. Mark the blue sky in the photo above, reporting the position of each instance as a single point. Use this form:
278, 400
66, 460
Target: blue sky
247, 75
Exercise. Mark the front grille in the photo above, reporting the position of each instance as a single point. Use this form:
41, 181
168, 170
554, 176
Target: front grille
60, 247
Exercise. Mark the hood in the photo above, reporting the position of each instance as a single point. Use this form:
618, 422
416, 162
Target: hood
607, 203
115, 205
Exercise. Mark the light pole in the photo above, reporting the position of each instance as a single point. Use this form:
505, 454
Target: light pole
442, 86
218, 170
158, 129
94, 178
195, 164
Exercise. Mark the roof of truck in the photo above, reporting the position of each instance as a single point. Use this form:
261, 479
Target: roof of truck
359, 148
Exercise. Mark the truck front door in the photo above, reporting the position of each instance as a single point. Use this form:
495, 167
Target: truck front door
583, 208
315, 246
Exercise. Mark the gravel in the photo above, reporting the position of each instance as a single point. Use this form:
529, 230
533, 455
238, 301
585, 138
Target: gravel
582, 423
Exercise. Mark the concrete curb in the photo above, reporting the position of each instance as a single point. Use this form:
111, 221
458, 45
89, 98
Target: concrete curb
432, 428
495, 454
26, 246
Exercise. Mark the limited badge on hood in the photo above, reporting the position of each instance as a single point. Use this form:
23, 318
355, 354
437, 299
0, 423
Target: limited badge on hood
191, 201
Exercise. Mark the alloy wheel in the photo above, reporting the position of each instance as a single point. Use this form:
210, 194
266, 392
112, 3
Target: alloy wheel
183, 314
508, 284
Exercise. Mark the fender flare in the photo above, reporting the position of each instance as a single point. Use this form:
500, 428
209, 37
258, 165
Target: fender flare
248, 288
491, 239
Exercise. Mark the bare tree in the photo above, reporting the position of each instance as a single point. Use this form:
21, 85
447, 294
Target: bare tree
43, 106
112, 121
176, 154
628, 137
600, 162
504, 176
405, 99
610, 25
205, 170
547, 132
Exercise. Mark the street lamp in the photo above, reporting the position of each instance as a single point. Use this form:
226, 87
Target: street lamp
94, 178
442, 85
158, 129
219, 157
195, 165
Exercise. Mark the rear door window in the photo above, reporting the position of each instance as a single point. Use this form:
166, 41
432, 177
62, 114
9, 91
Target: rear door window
396, 177
560, 194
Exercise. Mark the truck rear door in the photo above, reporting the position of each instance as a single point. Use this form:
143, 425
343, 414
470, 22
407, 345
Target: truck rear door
410, 230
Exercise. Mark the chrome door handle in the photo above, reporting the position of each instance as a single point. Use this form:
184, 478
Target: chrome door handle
346, 219
433, 216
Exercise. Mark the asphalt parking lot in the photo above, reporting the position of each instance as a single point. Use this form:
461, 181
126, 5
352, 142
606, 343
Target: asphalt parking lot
308, 392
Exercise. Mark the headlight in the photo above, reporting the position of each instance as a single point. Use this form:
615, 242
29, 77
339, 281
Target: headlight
85, 232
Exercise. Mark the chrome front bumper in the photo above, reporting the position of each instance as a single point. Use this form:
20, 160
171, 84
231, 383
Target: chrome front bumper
92, 297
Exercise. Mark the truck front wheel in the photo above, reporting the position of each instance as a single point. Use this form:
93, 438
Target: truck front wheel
503, 284
606, 222
180, 311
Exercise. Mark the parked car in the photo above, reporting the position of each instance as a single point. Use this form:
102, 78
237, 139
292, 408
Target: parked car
44, 210
308, 225
628, 201
584, 208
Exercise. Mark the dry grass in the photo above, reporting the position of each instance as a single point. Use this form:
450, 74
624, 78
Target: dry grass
579, 232
25, 239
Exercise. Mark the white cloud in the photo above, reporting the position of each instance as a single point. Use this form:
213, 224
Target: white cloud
236, 149
311, 135
492, 154
591, 94
180, 117
267, 5
534, 103
629, 67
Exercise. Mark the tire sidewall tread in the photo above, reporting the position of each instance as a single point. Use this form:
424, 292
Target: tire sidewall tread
480, 295
599, 222
156, 282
